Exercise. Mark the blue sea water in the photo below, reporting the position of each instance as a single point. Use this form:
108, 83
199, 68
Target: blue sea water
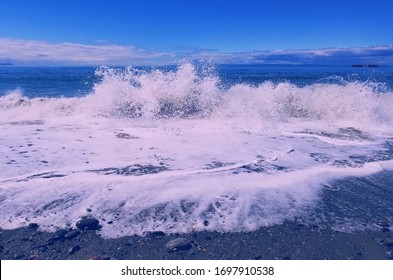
196, 147
47, 81
79, 81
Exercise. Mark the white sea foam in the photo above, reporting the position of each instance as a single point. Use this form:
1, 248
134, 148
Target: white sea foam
186, 93
171, 150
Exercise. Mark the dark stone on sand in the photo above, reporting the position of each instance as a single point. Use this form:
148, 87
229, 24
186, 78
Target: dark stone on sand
205, 223
88, 223
75, 249
157, 233
59, 235
33, 225
72, 234
268, 243
178, 244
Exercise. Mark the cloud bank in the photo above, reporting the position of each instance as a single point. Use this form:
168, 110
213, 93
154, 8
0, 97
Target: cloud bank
382, 55
29, 52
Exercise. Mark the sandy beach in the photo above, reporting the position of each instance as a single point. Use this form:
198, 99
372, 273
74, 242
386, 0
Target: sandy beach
289, 241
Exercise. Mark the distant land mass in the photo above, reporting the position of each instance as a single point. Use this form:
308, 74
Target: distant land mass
364, 65
5, 64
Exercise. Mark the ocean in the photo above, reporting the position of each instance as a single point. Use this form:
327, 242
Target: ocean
195, 147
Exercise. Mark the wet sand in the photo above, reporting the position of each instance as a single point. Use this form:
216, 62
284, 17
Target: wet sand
289, 241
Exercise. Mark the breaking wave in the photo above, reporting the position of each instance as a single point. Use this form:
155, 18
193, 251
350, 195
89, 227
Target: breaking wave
188, 92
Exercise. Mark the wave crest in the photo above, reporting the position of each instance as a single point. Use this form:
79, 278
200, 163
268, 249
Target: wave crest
158, 94
188, 92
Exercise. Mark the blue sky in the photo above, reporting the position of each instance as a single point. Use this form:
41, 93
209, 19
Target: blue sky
147, 31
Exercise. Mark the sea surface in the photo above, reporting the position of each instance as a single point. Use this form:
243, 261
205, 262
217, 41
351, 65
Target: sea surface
196, 147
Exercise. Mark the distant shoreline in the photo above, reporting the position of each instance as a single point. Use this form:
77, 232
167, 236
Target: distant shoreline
365, 65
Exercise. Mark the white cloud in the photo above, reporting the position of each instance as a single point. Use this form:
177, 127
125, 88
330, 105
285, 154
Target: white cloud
366, 55
29, 52
41, 52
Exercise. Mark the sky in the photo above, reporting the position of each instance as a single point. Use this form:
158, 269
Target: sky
84, 32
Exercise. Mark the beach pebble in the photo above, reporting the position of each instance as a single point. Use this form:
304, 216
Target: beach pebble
71, 234
88, 223
74, 249
59, 235
33, 225
157, 233
178, 244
